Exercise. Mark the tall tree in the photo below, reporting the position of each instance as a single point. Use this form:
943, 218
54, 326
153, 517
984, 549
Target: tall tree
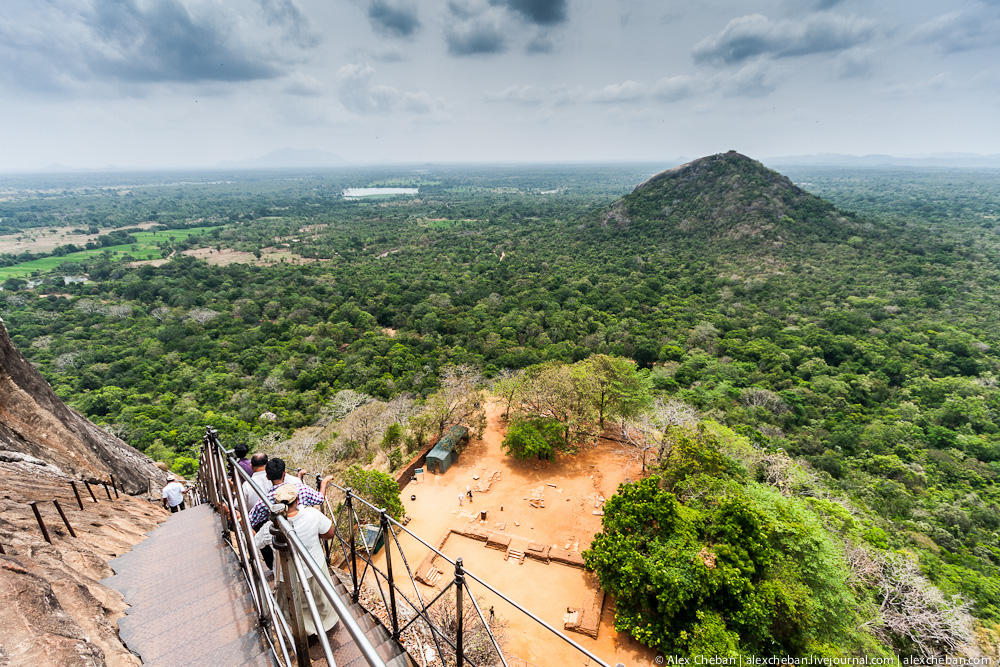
459, 401
506, 386
617, 387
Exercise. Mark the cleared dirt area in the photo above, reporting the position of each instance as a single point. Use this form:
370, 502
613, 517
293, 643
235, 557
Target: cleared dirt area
43, 240
570, 487
268, 257
47, 239
226, 256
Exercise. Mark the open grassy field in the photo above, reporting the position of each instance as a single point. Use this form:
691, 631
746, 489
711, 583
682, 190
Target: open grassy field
145, 247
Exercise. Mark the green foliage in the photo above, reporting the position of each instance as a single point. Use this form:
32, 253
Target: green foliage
393, 437
377, 488
615, 386
527, 439
185, 466
696, 455
862, 340
749, 572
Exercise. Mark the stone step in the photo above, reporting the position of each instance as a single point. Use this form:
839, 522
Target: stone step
189, 601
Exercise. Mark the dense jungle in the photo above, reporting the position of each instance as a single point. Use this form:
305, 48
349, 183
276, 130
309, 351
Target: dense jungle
807, 366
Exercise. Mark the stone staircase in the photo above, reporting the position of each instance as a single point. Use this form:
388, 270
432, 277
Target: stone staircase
514, 554
345, 651
190, 604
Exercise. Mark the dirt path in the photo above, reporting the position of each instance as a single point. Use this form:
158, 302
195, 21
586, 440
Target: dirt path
569, 488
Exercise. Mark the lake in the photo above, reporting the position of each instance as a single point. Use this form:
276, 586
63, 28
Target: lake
357, 193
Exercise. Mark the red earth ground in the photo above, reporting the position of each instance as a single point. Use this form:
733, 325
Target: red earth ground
567, 523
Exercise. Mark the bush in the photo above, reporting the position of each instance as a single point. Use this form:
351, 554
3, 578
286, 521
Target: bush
377, 488
185, 466
527, 439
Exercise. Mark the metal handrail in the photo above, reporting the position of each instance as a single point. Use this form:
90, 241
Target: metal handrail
223, 500
388, 526
421, 611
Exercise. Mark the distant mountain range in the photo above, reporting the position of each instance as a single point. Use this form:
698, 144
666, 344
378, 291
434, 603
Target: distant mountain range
287, 158
293, 158
957, 160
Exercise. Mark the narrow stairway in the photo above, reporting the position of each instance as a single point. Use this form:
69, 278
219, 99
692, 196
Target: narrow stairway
345, 651
190, 604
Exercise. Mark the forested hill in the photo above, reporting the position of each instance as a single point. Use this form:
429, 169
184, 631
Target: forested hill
729, 197
865, 346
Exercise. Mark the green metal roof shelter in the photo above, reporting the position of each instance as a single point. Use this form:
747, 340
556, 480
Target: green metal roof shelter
445, 452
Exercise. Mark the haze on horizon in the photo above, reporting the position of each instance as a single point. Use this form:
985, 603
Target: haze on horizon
192, 83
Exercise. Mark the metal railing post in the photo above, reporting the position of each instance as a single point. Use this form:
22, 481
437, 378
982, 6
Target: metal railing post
115, 486
79, 501
41, 524
90, 490
213, 496
222, 483
236, 503
355, 593
63, 515
384, 523
326, 545
210, 482
107, 491
288, 589
459, 585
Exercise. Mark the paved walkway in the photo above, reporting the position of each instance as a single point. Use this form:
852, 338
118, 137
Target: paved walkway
189, 603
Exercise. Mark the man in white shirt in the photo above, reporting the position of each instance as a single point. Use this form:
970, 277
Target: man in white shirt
259, 463
173, 496
311, 526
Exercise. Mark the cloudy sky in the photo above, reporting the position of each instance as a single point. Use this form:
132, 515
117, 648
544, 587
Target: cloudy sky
90, 83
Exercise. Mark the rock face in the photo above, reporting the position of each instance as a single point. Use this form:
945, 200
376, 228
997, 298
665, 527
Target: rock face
54, 611
36, 422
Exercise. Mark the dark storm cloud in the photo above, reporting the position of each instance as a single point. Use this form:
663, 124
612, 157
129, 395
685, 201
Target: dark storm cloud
71, 45
756, 35
475, 33
490, 27
393, 17
475, 40
542, 12
164, 42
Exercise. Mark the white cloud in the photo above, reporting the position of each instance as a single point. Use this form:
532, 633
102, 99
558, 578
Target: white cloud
358, 95
303, 85
754, 80
675, 88
756, 35
627, 91
973, 28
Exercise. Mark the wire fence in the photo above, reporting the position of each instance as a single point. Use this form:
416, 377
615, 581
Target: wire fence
448, 624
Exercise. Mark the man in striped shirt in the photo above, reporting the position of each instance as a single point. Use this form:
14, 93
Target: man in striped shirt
261, 513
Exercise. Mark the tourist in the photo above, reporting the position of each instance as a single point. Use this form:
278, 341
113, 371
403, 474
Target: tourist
275, 470
173, 495
241, 451
460, 496
310, 526
258, 463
